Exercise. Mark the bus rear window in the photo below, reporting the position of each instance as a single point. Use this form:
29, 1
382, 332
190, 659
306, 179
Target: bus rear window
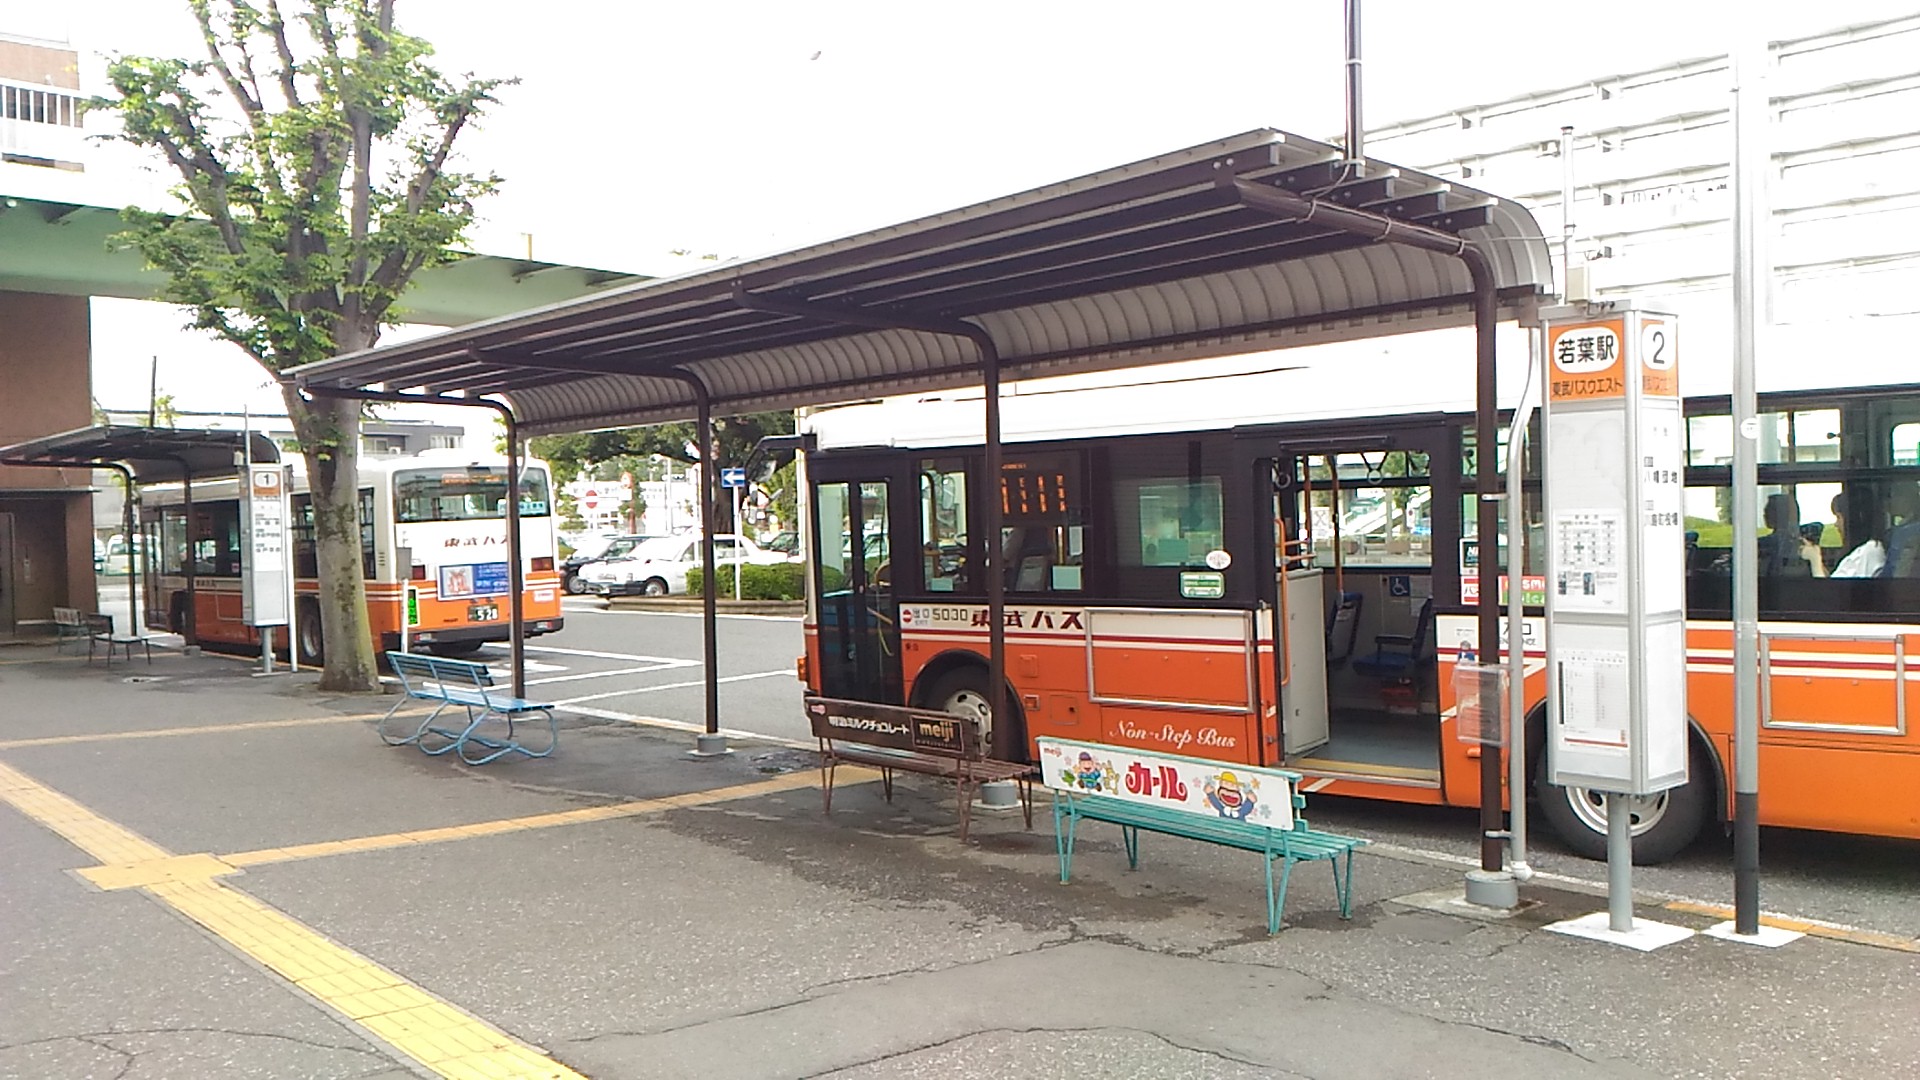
465, 494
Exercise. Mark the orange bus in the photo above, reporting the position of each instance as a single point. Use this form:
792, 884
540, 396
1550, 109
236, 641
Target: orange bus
1269, 568
445, 507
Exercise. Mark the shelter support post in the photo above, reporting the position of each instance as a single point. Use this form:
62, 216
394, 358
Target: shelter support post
1002, 743
1490, 885
709, 743
516, 570
133, 575
190, 559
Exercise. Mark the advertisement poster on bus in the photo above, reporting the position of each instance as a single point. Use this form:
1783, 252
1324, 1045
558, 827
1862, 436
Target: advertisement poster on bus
1208, 788
473, 580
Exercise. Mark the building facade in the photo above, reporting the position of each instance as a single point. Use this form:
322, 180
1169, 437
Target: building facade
1653, 197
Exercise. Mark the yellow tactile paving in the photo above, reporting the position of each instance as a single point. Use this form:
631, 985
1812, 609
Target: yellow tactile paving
445, 1039
612, 811
156, 871
1809, 927
202, 729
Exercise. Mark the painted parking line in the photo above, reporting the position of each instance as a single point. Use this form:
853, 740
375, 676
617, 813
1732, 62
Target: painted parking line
667, 724
566, 702
447, 1040
202, 729
672, 665
635, 658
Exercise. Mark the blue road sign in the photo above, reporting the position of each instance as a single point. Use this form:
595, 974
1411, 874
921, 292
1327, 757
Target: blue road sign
733, 478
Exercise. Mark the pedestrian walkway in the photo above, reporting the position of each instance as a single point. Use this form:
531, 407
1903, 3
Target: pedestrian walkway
211, 873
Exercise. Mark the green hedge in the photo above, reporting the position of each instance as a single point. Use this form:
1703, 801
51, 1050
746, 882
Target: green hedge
780, 581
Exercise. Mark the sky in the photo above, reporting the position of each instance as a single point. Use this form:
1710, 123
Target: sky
640, 129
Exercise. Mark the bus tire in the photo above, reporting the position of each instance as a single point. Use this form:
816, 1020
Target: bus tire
655, 587
963, 692
308, 638
1663, 825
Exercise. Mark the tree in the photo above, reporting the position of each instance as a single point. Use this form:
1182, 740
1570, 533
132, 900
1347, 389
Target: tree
734, 437
315, 157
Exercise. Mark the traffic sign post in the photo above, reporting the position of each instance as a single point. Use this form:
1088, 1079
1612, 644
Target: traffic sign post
735, 479
1616, 573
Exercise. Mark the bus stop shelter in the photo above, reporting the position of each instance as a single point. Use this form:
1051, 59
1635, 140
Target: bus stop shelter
1259, 241
147, 455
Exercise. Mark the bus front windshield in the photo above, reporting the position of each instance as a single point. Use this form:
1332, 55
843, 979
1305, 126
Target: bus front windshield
468, 493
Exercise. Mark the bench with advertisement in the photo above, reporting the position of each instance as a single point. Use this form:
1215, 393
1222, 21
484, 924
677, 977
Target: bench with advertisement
893, 737
1221, 803
469, 686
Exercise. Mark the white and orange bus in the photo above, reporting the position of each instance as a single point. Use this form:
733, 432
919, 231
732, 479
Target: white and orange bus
446, 507
1268, 568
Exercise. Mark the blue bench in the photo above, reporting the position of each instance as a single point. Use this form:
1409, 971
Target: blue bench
1086, 785
468, 686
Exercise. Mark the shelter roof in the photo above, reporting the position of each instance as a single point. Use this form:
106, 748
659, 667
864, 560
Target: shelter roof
1153, 261
154, 455
64, 248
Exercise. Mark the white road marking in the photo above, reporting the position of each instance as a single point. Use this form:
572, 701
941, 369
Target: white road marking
636, 658
682, 725
672, 686
669, 666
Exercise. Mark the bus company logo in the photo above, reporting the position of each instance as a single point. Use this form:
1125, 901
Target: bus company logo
474, 541
932, 617
1585, 350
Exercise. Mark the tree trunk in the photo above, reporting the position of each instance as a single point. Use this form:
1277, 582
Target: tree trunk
329, 432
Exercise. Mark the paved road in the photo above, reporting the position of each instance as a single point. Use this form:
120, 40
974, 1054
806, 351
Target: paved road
209, 874
634, 665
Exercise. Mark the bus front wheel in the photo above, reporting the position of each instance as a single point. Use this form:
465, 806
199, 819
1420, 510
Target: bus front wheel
963, 692
1663, 824
307, 635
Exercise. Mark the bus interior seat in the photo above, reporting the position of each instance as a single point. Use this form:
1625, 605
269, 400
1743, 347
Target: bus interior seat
1343, 616
1397, 656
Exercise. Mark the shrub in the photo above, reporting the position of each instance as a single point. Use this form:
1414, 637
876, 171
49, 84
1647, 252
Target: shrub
780, 581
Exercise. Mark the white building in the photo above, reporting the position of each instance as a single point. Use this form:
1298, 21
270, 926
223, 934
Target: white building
1653, 197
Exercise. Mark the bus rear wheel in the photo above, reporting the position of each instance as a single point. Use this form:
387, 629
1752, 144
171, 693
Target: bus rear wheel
307, 636
1663, 824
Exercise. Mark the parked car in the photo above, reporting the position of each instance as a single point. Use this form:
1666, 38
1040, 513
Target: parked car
659, 566
592, 550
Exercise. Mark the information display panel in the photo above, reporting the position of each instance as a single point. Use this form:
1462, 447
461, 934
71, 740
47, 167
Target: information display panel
1616, 550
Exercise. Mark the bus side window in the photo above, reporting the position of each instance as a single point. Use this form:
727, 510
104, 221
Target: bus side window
1043, 534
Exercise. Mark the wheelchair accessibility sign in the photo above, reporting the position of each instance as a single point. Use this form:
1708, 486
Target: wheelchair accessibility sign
1399, 585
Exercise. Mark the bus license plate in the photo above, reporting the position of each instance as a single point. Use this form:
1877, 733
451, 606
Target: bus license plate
483, 613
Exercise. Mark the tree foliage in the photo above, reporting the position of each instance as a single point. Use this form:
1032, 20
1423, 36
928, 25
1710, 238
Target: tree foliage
573, 454
314, 147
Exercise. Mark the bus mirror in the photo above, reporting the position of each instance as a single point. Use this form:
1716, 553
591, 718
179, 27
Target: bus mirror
771, 454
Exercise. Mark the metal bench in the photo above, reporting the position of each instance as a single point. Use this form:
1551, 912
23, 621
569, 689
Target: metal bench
100, 632
895, 738
69, 624
468, 686
1217, 802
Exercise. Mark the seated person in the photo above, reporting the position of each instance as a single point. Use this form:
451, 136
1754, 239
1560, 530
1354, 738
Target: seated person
1903, 539
1865, 560
1786, 552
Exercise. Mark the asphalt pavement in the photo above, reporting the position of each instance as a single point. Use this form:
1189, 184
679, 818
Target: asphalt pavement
215, 874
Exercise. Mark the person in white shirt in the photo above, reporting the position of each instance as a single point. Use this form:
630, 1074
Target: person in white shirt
1864, 561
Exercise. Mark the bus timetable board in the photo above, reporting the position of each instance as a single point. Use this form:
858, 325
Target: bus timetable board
1616, 588
266, 583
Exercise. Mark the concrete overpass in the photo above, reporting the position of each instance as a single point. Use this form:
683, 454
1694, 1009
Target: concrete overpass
56, 255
